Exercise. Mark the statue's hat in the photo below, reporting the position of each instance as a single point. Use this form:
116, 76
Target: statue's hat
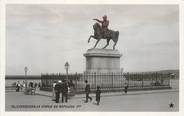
105, 16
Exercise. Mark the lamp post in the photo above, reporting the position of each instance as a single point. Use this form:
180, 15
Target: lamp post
25, 69
66, 67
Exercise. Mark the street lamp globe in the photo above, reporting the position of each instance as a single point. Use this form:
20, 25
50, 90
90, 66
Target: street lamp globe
25, 69
67, 65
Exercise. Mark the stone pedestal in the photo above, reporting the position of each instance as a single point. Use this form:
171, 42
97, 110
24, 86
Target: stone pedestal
102, 60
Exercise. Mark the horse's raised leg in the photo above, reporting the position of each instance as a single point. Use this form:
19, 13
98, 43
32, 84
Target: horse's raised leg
90, 38
96, 42
106, 44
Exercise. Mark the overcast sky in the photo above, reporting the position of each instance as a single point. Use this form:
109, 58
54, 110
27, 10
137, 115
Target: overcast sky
44, 37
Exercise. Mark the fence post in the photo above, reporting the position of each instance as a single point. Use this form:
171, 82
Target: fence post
169, 77
75, 83
123, 76
95, 79
142, 80
156, 80
112, 81
82, 80
152, 76
128, 78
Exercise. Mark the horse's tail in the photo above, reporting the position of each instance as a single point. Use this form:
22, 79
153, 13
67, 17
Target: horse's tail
117, 35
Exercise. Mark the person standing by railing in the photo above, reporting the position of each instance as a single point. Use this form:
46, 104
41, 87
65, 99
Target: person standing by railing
58, 89
53, 91
87, 90
64, 91
24, 86
18, 86
126, 88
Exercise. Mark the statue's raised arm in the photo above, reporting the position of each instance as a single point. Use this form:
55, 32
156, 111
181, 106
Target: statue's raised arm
98, 20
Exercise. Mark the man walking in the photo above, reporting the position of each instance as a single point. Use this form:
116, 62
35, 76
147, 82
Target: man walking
64, 91
87, 91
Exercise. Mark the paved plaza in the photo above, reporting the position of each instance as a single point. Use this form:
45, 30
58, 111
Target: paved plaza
157, 100
152, 100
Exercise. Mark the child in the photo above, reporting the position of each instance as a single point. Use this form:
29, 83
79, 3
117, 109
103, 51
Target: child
98, 92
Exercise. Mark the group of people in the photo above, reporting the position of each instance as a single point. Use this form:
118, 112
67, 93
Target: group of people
21, 87
61, 87
64, 88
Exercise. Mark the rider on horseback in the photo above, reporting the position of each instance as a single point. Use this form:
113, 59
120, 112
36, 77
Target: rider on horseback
102, 32
104, 25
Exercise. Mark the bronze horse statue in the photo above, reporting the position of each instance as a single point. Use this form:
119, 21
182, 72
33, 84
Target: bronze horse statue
98, 35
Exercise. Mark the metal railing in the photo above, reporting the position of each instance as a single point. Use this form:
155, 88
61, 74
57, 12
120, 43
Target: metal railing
111, 81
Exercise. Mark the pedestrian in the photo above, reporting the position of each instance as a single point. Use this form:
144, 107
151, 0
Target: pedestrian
21, 87
39, 85
58, 90
53, 90
64, 91
71, 89
87, 91
126, 88
30, 84
18, 87
70, 84
24, 86
98, 92
35, 85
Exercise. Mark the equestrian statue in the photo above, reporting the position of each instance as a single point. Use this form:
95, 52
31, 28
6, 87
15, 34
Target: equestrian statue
102, 32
